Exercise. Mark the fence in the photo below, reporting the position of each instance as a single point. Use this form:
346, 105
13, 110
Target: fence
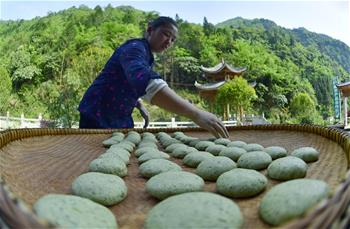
7, 122
174, 123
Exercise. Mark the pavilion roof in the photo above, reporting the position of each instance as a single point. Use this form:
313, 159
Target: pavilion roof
223, 66
209, 86
346, 84
344, 88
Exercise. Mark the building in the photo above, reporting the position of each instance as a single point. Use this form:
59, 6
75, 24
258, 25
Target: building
216, 77
345, 91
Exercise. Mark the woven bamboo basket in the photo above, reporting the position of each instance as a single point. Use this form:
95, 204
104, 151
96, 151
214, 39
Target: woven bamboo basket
36, 162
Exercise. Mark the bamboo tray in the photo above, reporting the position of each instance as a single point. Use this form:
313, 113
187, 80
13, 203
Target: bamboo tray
35, 162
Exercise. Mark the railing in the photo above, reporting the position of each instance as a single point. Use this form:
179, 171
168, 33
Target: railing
174, 123
7, 122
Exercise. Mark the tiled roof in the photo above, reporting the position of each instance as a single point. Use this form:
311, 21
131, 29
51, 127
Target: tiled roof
209, 86
222, 65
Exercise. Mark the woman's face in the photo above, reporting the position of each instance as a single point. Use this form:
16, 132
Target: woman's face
161, 38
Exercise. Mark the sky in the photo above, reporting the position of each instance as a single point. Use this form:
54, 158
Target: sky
330, 17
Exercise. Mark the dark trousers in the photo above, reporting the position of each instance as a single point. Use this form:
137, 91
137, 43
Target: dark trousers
88, 123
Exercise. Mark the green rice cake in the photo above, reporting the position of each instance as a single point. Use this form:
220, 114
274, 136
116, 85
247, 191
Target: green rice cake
195, 210
155, 166
287, 168
109, 165
121, 156
67, 211
102, 188
254, 160
233, 152
168, 184
152, 155
222, 141
210, 169
236, 144
143, 150
253, 147
215, 149
181, 152
239, 183
276, 152
193, 159
174, 146
291, 199
202, 145
308, 154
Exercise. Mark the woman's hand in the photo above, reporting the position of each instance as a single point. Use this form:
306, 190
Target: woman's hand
144, 113
169, 100
211, 123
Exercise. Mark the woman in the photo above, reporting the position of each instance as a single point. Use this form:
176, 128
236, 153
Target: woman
128, 76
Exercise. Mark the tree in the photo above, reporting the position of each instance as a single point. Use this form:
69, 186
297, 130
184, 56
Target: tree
22, 69
62, 100
178, 19
238, 94
208, 55
77, 42
114, 34
208, 27
96, 17
303, 109
5, 90
186, 68
190, 37
88, 64
148, 17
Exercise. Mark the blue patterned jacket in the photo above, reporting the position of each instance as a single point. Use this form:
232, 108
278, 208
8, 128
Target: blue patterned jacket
111, 98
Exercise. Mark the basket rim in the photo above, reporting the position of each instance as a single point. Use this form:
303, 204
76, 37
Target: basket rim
15, 213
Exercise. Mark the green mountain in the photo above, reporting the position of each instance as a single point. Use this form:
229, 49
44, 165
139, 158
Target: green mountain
335, 49
47, 63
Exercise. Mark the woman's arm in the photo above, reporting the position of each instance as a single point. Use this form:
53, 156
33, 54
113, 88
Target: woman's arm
143, 111
169, 100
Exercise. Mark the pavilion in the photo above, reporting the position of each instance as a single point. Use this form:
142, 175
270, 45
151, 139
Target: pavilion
216, 77
345, 91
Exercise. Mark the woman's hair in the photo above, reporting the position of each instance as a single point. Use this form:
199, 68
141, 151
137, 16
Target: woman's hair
162, 21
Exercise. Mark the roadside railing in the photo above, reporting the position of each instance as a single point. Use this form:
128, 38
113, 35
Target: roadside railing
7, 122
173, 124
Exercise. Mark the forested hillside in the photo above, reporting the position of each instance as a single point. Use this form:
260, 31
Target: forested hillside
47, 63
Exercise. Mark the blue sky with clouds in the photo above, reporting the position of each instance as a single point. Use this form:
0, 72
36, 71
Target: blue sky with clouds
327, 17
